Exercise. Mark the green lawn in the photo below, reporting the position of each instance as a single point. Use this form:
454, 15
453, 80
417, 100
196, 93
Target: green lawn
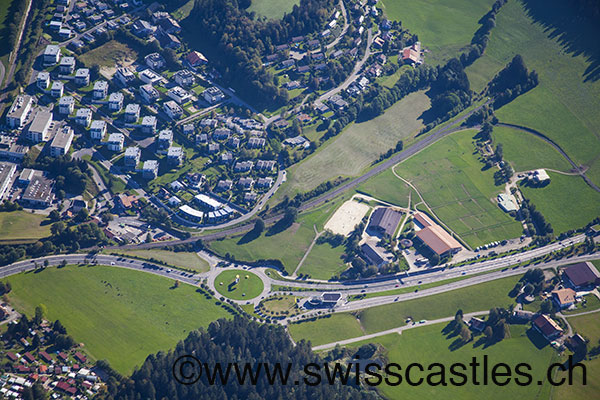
323, 261
426, 345
376, 319
525, 151
471, 298
443, 26
17, 225
183, 11
330, 329
272, 9
178, 259
567, 202
248, 287
565, 104
120, 315
387, 187
354, 149
589, 327
288, 246
450, 178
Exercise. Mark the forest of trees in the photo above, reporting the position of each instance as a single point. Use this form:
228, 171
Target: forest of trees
511, 82
236, 42
227, 341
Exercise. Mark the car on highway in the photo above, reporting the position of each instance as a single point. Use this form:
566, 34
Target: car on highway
422, 321
112, 263
169, 270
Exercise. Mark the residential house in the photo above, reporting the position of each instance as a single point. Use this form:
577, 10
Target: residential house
184, 77
214, 148
581, 276
39, 130
221, 134
264, 182
178, 94
149, 93
233, 142
115, 102
213, 95
66, 105
172, 109
132, 157
83, 117
19, 110
115, 142
142, 29
165, 139
243, 166
82, 77
563, 298
195, 59
547, 327
250, 197
188, 129
149, 124
255, 143
265, 165
98, 129
175, 156
100, 90
57, 89
51, 55
125, 76
62, 142
43, 80
245, 183
224, 185
67, 65
155, 61
150, 169
132, 113
226, 157
149, 76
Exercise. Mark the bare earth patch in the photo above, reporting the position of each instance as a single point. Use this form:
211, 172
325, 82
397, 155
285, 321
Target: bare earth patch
343, 221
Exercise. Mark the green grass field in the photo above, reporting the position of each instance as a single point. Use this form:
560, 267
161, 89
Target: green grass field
120, 315
387, 187
449, 177
565, 104
518, 145
178, 259
323, 262
17, 225
248, 287
426, 345
272, 9
327, 330
183, 11
443, 26
354, 149
288, 246
470, 299
567, 202
589, 327
109, 54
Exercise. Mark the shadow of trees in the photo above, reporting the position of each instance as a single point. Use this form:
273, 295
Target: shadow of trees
575, 25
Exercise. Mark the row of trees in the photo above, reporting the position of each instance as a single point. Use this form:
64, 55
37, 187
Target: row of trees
511, 82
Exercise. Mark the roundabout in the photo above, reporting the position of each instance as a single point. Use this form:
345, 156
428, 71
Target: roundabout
238, 284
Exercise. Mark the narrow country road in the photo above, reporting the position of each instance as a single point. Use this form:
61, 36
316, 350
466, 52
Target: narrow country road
397, 330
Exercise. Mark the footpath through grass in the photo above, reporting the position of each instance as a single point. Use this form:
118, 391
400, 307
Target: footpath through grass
20, 225
450, 178
120, 315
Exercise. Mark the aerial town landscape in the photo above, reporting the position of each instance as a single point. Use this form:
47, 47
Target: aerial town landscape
354, 183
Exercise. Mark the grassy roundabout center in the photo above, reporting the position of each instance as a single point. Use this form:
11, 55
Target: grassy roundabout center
238, 285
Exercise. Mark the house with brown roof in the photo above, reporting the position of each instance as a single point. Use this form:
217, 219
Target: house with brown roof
29, 357
581, 275
564, 298
435, 237
45, 356
547, 327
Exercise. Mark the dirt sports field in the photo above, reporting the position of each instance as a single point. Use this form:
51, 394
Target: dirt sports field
346, 217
